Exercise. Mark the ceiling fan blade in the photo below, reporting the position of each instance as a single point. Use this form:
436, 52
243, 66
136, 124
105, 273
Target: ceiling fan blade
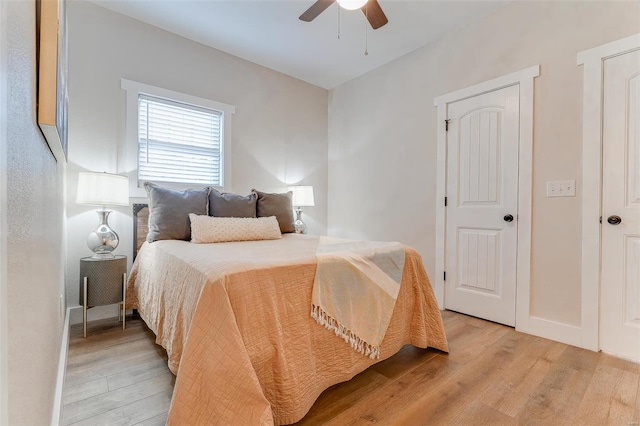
374, 14
316, 9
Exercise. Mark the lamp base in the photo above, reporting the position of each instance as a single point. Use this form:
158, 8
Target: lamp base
103, 256
300, 226
103, 240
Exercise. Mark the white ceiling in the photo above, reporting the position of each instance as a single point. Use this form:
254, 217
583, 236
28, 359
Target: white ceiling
269, 33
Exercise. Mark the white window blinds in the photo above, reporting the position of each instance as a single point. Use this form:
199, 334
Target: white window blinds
179, 142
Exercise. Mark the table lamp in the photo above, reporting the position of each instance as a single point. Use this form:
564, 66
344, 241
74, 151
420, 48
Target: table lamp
102, 189
302, 197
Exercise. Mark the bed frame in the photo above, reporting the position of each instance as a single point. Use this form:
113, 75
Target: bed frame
140, 226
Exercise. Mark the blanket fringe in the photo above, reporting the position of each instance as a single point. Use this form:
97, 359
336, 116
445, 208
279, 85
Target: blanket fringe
347, 335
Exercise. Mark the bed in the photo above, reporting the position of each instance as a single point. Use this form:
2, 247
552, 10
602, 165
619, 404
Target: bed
235, 321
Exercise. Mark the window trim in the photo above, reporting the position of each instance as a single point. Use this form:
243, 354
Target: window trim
128, 151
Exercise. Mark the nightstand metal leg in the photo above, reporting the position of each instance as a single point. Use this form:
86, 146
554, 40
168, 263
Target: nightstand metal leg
124, 298
84, 308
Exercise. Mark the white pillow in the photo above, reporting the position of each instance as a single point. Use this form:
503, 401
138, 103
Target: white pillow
208, 229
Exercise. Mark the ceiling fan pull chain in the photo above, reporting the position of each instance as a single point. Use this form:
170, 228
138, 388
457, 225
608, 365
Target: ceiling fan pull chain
339, 23
366, 30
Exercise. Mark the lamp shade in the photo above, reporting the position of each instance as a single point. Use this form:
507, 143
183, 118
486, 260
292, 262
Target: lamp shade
102, 189
302, 196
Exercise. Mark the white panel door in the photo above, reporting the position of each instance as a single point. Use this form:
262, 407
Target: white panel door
482, 203
620, 280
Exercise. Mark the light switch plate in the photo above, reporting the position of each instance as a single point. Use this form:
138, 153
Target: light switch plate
561, 188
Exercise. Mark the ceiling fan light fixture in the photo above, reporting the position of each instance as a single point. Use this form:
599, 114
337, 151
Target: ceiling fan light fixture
351, 4
371, 9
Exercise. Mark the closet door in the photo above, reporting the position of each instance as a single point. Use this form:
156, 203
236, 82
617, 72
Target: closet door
620, 279
482, 204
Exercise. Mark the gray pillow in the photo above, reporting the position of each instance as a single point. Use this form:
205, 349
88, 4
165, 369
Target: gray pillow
278, 205
169, 211
232, 205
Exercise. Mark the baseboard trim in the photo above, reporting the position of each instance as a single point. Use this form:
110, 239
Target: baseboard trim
56, 414
564, 333
75, 315
94, 314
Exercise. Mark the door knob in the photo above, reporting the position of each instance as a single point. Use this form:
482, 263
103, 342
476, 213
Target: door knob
614, 220
508, 218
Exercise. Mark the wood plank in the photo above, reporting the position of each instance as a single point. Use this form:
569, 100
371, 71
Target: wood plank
478, 413
401, 363
443, 401
100, 405
84, 390
510, 394
120, 351
159, 420
559, 394
493, 375
610, 397
344, 396
139, 373
105, 334
107, 367
149, 410
469, 341
92, 365
388, 402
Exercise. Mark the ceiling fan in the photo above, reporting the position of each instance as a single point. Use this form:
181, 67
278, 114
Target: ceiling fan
370, 8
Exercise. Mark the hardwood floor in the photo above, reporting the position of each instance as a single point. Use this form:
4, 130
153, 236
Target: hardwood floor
493, 375
115, 376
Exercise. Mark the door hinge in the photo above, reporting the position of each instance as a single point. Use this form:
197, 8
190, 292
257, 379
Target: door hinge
446, 124
444, 275
600, 219
445, 201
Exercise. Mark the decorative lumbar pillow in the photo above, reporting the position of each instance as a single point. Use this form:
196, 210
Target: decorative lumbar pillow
169, 211
208, 229
278, 205
232, 205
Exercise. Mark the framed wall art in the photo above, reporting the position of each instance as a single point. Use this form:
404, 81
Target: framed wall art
51, 35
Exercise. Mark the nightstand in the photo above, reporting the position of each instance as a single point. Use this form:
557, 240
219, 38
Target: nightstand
103, 282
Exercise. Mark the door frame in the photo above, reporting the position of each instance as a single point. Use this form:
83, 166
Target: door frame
524, 78
592, 61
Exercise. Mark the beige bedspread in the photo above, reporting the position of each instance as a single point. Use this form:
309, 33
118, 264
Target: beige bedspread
235, 321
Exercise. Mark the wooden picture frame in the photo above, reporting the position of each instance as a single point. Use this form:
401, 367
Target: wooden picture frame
52, 75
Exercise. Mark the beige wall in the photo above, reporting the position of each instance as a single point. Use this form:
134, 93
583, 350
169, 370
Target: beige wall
382, 134
35, 242
279, 129
4, 316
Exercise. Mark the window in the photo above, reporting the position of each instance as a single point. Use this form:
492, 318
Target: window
176, 140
